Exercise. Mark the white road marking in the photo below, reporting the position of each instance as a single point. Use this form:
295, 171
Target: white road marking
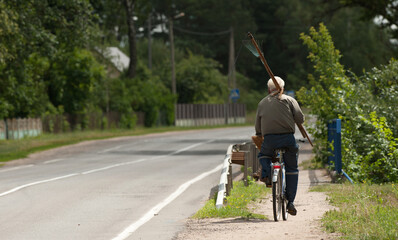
117, 147
183, 149
53, 161
156, 209
36, 183
192, 146
113, 166
110, 149
16, 168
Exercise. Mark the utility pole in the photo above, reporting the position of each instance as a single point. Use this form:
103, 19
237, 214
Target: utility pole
231, 62
173, 74
130, 4
231, 69
171, 35
150, 41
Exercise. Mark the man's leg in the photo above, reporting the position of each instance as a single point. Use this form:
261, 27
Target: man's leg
265, 169
291, 173
264, 157
290, 159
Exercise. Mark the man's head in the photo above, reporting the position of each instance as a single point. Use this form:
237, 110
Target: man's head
271, 85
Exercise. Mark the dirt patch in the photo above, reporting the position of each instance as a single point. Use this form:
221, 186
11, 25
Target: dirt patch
305, 225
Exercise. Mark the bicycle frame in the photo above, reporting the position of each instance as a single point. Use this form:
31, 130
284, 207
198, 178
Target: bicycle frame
277, 166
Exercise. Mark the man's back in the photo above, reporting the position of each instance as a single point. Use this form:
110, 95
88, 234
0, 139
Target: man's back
277, 115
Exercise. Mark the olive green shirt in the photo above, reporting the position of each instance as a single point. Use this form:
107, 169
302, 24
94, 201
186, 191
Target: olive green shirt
278, 116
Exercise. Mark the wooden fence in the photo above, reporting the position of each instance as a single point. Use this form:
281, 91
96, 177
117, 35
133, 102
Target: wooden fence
210, 114
186, 115
20, 128
24, 127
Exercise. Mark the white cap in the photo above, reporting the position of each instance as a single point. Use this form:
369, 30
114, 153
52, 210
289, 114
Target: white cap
271, 85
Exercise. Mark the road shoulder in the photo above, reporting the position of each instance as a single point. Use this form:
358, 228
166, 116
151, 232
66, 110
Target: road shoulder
306, 225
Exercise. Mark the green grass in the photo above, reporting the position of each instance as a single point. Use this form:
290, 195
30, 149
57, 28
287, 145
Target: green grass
364, 211
237, 202
15, 149
311, 165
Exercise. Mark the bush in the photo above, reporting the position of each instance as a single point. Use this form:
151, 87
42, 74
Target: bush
200, 81
369, 143
150, 95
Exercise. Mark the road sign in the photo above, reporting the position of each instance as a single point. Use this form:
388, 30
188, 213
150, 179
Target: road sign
234, 94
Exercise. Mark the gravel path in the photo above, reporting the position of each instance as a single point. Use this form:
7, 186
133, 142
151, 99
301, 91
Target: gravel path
305, 225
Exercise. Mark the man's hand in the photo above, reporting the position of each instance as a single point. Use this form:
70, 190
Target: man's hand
258, 141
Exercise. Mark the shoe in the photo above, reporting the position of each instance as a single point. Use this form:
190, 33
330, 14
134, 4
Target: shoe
267, 181
256, 176
291, 209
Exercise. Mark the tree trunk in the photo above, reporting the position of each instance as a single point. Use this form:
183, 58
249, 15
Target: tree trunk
129, 4
173, 71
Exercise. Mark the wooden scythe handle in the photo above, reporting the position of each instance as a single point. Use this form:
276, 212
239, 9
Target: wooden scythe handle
278, 87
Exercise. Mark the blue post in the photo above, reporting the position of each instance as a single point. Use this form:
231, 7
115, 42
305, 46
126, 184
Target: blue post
334, 136
345, 175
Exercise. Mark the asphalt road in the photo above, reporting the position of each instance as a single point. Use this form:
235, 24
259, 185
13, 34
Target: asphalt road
125, 188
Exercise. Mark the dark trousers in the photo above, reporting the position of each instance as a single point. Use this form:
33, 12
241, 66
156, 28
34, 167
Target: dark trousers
290, 157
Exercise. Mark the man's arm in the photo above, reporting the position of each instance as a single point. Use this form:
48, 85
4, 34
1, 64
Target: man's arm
257, 126
297, 113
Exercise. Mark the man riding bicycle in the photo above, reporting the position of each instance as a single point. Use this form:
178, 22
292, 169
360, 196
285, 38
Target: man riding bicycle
276, 116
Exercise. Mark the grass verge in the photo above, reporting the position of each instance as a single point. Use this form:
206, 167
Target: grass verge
15, 149
237, 202
365, 211
311, 164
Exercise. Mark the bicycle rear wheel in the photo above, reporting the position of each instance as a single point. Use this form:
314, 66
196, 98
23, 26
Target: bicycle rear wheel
277, 197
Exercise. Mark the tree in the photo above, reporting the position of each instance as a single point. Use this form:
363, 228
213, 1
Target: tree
117, 20
208, 29
279, 26
36, 33
386, 9
9, 33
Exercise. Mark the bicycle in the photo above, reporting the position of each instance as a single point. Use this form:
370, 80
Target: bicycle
279, 200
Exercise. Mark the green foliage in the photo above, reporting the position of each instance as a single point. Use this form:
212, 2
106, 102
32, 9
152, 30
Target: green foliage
382, 82
145, 93
349, 36
153, 101
248, 94
33, 35
42, 64
199, 81
9, 32
386, 9
328, 85
152, 97
369, 144
370, 149
237, 202
364, 211
72, 80
23, 92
